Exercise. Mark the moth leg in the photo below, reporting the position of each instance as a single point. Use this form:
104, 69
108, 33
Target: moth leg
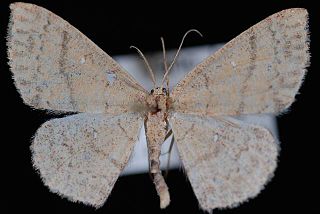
168, 152
149, 163
149, 166
168, 86
167, 136
169, 156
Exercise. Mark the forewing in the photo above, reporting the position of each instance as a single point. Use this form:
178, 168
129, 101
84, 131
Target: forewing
80, 157
227, 161
260, 71
56, 67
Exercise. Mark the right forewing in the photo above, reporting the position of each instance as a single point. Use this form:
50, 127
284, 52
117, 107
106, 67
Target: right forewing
226, 160
259, 71
80, 157
56, 67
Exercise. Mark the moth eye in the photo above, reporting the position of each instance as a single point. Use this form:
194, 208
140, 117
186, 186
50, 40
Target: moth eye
152, 90
164, 90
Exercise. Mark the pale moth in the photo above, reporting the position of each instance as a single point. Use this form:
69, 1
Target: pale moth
80, 157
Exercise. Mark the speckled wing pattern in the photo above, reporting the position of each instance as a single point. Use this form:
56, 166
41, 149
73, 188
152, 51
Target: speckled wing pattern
259, 71
56, 67
226, 160
81, 156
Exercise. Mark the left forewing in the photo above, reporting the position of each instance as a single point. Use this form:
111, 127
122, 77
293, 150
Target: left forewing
260, 71
56, 67
227, 161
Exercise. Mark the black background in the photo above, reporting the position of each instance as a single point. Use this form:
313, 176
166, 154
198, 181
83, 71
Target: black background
116, 26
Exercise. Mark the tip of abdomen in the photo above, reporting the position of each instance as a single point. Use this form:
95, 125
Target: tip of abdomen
164, 199
162, 190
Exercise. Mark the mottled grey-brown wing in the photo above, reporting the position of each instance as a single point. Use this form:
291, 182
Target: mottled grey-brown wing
226, 160
260, 71
58, 68
80, 157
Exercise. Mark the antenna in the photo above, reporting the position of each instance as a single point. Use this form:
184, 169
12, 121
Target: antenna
165, 61
147, 65
178, 51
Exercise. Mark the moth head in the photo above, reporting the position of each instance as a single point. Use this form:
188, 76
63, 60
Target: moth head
159, 91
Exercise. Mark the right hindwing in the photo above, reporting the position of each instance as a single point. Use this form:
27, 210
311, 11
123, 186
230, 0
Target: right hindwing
227, 161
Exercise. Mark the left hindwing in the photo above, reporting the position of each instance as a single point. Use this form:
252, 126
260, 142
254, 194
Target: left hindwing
81, 156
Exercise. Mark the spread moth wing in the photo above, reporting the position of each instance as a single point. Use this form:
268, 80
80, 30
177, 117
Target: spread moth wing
260, 71
226, 160
80, 157
56, 67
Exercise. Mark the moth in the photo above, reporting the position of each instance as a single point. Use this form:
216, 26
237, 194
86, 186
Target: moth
55, 67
